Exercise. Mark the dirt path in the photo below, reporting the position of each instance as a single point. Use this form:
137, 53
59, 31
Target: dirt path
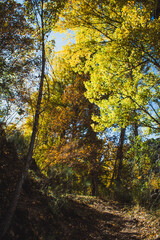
90, 219
79, 218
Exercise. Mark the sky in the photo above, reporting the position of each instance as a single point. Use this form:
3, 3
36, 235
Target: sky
61, 39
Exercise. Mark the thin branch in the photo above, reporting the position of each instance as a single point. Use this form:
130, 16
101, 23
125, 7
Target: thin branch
154, 110
144, 110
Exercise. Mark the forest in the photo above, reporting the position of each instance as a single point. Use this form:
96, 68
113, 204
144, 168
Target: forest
80, 126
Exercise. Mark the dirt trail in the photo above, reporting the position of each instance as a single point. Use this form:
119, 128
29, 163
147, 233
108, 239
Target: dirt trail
39, 217
96, 219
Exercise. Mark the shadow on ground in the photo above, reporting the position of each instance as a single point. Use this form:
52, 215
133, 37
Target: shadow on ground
82, 222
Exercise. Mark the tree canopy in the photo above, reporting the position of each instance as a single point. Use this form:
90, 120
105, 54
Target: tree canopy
92, 109
117, 43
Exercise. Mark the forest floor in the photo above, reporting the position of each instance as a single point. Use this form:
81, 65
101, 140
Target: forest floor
80, 218
91, 218
40, 215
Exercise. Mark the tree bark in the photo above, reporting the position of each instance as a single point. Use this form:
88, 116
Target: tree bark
135, 130
119, 159
8, 219
120, 155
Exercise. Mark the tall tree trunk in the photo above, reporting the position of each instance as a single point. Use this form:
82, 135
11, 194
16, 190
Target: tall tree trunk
135, 130
120, 155
119, 159
7, 221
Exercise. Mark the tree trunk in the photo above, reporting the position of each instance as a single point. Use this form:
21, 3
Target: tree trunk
135, 130
119, 158
7, 221
120, 155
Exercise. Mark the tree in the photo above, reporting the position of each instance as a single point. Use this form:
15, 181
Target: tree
17, 57
117, 172
117, 44
121, 57
145, 170
69, 140
44, 15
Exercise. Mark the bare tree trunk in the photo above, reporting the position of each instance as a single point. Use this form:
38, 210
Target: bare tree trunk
119, 158
7, 221
135, 130
120, 154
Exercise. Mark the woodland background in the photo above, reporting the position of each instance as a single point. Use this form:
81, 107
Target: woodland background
84, 120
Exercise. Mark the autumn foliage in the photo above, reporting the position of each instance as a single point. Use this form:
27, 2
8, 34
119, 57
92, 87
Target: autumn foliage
93, 116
